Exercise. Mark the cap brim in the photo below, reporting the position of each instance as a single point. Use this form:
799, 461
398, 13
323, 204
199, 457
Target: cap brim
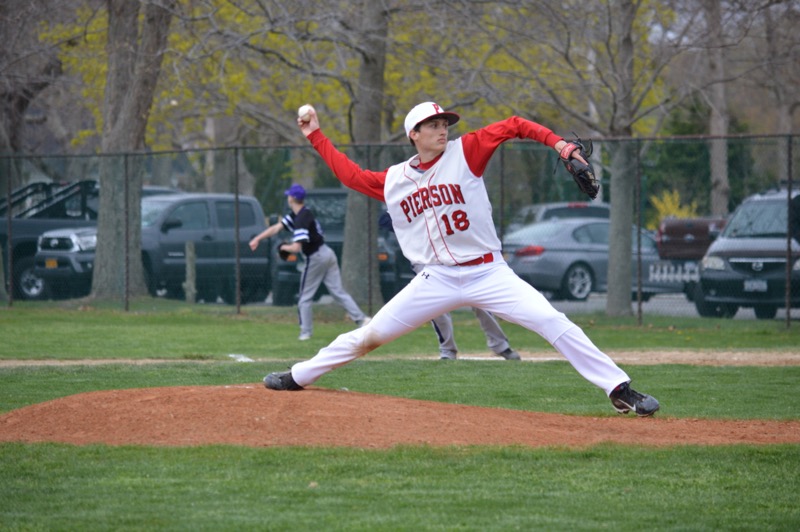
451, 118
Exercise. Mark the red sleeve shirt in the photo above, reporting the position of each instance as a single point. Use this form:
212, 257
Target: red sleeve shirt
367, 182
479, 146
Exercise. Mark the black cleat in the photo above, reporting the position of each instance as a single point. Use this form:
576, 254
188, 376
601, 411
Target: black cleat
281, 381
509, 354
624, 399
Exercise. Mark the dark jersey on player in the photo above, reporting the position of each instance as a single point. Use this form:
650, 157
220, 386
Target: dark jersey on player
305, 229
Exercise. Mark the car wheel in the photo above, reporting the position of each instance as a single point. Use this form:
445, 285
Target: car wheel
149, 280
689, 290
577, 283
712, 310
765, 312
284, 294
174, 291
28, 285
251, 292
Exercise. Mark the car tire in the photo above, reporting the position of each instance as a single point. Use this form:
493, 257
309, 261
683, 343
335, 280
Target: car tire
149, 280
689, 290
28, 285
712, 310
578, 282
284, 294
174, 291
765, 312
250, 292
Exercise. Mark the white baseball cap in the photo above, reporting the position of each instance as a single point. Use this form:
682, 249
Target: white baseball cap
426, 111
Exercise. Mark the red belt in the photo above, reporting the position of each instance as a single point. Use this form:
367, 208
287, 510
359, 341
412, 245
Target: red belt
486, 259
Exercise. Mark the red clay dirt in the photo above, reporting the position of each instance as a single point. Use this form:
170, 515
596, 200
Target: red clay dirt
253, 416
250, 415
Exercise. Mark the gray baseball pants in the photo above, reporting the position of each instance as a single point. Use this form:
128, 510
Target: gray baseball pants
322, 267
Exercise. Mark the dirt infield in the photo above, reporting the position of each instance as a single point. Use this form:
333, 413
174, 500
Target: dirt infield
250, 415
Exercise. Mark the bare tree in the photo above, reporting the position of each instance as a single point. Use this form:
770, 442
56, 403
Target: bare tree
360, 249
27, 67
776, 52
604, 71
137, 37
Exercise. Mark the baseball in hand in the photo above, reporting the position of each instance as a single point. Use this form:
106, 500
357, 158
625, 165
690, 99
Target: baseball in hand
304, 113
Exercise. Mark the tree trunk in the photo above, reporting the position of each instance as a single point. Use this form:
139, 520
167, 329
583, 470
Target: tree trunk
623, 175
134, 64
719, 121
359, 260
620, 243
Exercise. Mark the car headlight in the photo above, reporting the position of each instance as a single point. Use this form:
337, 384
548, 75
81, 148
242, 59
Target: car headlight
712, 263
85, 242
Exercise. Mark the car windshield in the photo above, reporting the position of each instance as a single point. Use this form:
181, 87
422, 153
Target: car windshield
329, 210
152, 208
538, 232
530, 213
758, 219
576, 212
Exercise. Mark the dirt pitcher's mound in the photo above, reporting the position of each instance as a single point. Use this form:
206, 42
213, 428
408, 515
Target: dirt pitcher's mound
251, 415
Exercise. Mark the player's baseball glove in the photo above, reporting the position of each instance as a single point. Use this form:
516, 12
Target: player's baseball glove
284, 255
583, 174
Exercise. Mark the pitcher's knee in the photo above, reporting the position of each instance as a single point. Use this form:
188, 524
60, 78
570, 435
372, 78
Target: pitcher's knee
371, 339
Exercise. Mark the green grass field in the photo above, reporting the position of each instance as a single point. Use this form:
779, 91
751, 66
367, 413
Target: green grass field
62, 487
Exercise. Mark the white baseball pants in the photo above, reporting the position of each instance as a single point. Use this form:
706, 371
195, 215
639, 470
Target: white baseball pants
493, 287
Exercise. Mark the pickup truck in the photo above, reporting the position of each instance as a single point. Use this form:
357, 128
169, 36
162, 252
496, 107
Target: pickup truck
30, 211
65, 257
681, 244
36, 208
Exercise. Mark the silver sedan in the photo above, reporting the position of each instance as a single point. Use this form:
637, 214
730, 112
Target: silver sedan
569, 258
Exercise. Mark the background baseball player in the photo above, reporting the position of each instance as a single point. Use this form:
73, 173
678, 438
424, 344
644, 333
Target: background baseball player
442, 218
321, 265
496, 339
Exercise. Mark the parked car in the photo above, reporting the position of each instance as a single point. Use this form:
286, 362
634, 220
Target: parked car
682, 243
539, 212
746, 265
39, 207
329, 206
569, 258
65, 258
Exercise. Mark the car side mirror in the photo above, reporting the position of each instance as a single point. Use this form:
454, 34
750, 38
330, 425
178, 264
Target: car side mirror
171, 223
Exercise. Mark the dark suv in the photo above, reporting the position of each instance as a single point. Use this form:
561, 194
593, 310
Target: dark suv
65, 258
329, 206
746, 265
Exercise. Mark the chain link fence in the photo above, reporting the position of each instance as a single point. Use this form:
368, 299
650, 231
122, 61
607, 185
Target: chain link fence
671, 184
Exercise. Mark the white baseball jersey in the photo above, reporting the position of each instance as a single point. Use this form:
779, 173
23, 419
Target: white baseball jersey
442, 215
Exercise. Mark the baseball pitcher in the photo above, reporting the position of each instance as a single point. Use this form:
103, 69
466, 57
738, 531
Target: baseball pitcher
442, 217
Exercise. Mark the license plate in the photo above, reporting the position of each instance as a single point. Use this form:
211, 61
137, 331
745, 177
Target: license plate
51, 264
755, 285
